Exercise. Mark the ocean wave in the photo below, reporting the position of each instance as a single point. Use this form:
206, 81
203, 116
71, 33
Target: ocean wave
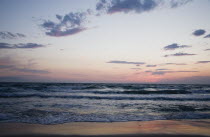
53, 103
104, 88
103, 97
35, 116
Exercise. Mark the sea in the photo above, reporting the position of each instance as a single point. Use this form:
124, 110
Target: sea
57, 103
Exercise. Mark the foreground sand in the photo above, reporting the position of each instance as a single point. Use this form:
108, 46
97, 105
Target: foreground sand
170, 128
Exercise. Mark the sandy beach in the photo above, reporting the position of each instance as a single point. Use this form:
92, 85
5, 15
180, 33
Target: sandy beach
136, 128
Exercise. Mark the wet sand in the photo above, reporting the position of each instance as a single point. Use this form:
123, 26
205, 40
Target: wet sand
159, 128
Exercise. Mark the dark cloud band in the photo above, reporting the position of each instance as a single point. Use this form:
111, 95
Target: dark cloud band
20, 46
175, 46
27, 70
137, 6
162, 72
10, 35
125, 62
202, 62
180, 54
151, 65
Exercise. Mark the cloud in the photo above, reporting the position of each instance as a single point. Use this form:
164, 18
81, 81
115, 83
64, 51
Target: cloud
169, 63
151, 65
57, 33
165, 65
5, 66
207, 36
162, 69
186, 71
12, 78
178, 3
159, 72
5, 46
31, 70
66, 25
73, 22
173, 64
199, 32
102, 4
199, 62
137, 6
136, 68
20, 46
164, 72
206, 49
125, 62
188, 80
6, 60
10, 35
25, 78
180, 54
148, 71
175, 46
27, 70
6, 63
132, 5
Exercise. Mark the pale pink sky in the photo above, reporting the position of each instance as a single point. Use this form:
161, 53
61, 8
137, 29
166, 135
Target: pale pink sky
94, 41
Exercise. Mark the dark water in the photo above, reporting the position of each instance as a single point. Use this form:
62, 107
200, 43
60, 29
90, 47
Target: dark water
55, 103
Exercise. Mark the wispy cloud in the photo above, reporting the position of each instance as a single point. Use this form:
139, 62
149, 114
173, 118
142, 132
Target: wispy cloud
188, 80
125, 62
172, 64
151, 65
6, 60
12, 78
175, 46
164, 64
148, 71
199, 62
10, 35
165, 72
8, 63
186, 71
199, 32
178, 3
137, 6
162, 69
6, 66
180, 54
136, 68
159, 72
20, 46
207, 36
26, 78
66, 25
27, 70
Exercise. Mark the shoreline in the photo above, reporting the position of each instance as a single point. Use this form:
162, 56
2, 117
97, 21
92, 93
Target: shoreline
134, 128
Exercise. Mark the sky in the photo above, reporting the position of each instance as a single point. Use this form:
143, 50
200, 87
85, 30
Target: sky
105, 41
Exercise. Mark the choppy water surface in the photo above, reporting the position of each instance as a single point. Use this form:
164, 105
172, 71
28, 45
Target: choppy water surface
53, 103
